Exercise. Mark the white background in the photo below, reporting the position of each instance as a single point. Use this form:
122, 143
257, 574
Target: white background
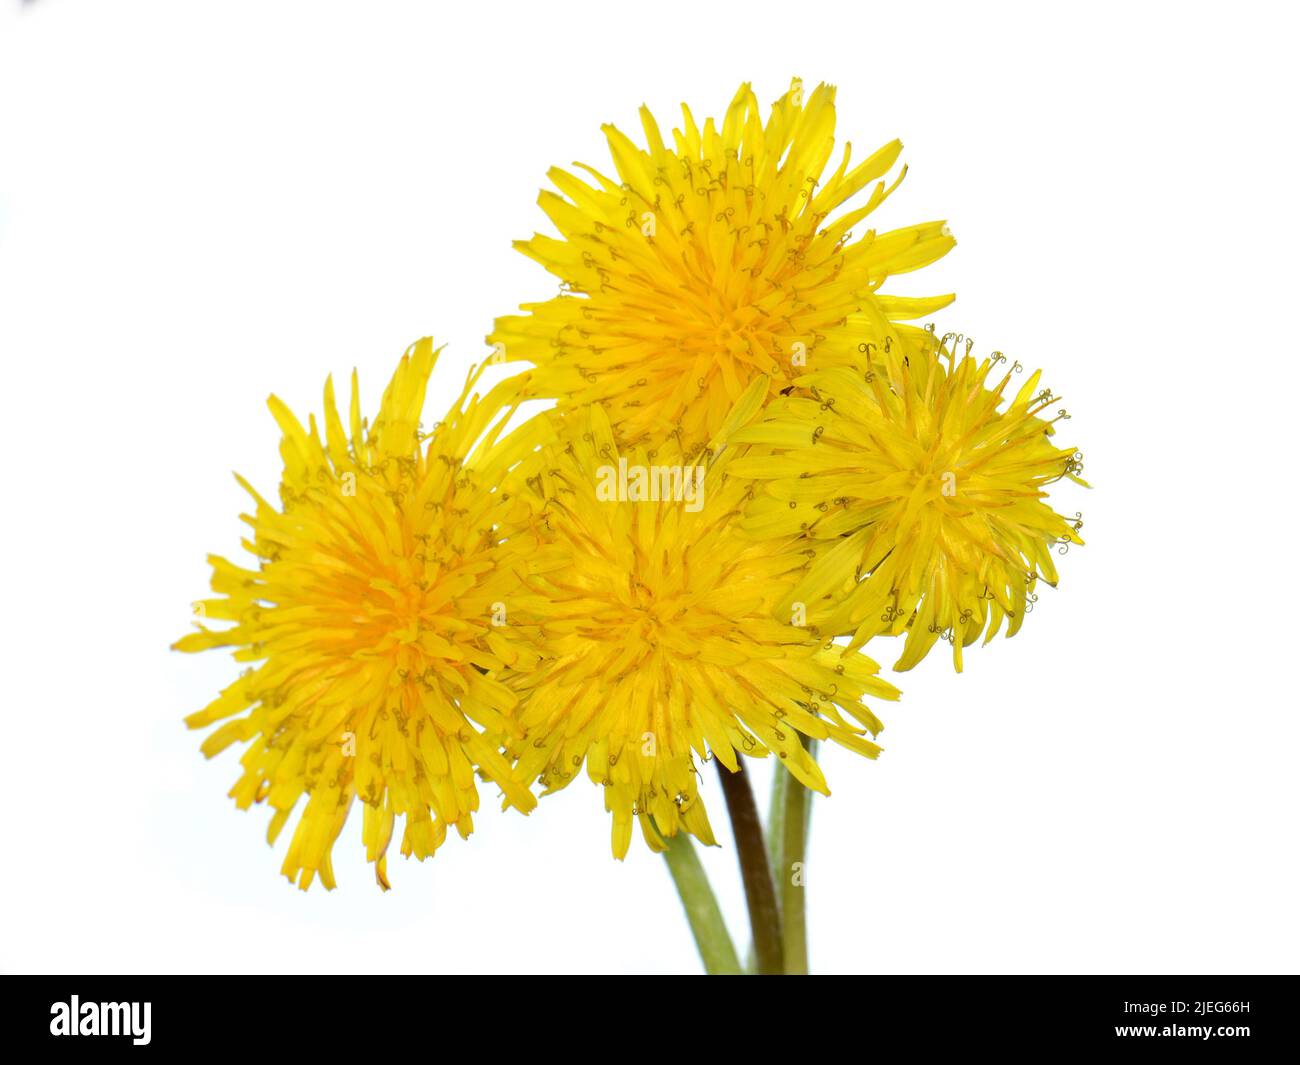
203, 203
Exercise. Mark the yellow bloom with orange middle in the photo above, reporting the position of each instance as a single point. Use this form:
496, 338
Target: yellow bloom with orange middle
373, 621
706, 262
656, 613
921, 482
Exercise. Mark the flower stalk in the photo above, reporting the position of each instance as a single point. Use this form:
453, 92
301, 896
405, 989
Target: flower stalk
790, 864
702, 912
788, 820
755, 872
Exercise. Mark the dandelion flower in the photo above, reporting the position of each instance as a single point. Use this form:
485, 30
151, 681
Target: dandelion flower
925, 492
371, 615
703, 264
662, 648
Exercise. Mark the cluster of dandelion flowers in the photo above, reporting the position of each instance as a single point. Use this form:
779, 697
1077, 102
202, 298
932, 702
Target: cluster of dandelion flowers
663, 650
752, 465
371, 616
706, 263
924, 491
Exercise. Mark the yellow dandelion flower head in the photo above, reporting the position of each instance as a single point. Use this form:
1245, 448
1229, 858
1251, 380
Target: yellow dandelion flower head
705, 263
925, 491
662, 646
370, 619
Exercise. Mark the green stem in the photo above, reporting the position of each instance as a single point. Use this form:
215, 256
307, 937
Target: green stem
796, 814
702, 912
776, 817
760, 891
781, 783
